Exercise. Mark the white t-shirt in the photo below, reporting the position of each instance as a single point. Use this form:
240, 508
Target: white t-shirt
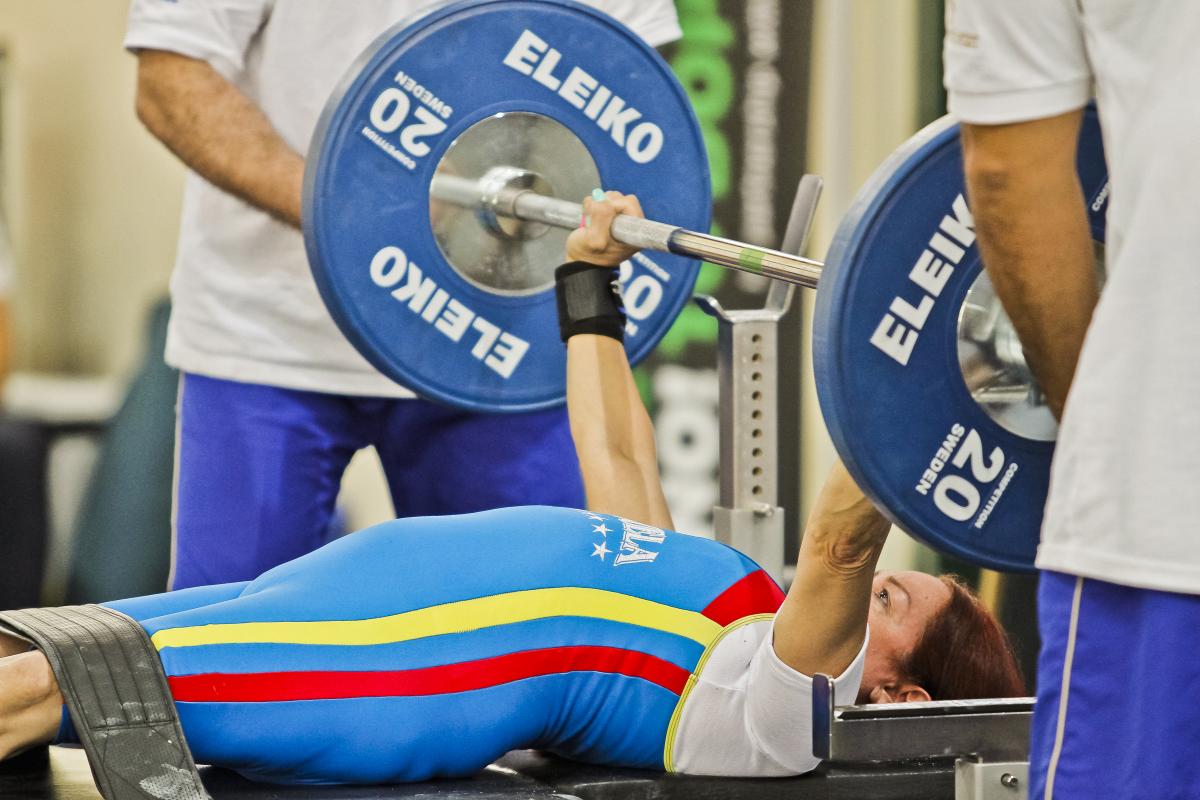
749, 714
1127, 469
245, 306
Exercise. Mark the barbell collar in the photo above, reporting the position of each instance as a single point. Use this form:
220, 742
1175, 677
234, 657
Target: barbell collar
644, 234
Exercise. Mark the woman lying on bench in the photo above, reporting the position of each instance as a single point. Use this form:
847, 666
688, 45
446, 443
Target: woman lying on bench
429, 647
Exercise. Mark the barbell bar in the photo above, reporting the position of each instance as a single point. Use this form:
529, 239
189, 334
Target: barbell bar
513, 201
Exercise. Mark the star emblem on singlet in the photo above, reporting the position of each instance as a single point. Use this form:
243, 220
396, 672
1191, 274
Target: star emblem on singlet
600, 550
601, 529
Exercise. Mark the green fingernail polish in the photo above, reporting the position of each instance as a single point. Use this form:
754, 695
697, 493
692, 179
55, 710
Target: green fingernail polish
599, 195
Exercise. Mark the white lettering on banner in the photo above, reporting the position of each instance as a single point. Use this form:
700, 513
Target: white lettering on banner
531, 55
899, 329
498, 349
636, 535
954, 495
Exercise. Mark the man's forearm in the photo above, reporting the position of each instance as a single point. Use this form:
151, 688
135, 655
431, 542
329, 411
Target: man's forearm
219, 133
821, 625
1034, 238
614, 438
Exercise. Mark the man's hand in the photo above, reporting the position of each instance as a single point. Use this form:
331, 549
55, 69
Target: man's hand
593, 243
219, 133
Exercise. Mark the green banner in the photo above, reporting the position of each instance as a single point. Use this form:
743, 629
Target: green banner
745, 66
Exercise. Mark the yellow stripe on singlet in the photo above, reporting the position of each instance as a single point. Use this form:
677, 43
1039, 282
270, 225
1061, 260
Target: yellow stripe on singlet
458, 617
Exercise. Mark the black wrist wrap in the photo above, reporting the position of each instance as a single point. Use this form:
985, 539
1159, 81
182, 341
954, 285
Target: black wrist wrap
588, 301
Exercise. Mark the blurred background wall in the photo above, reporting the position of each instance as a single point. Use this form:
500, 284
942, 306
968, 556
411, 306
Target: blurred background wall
92, 200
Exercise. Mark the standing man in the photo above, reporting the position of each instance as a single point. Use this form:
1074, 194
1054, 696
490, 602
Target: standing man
274, 401
1120, 554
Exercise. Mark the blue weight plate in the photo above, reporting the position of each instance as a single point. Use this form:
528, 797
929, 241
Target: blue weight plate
888, 419
367, 225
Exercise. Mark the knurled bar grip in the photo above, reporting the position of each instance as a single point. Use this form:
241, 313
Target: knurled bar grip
112, 679
644, 234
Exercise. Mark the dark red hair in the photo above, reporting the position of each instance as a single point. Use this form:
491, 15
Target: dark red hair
963, 652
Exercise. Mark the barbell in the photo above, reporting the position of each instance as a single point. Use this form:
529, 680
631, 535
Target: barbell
504, 193
440, 188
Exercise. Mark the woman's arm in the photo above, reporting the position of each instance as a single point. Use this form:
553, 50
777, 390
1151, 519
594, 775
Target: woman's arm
614, 438
821, 624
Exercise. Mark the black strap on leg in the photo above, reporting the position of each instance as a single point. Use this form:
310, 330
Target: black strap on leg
117, 693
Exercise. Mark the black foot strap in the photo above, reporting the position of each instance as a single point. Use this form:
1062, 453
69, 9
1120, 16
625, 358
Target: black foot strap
117, 693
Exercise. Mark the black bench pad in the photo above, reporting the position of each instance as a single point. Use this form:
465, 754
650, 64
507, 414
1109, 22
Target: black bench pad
524, 775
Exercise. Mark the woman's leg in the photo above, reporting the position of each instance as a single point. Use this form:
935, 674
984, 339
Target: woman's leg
31, 707
30, 703
158, 605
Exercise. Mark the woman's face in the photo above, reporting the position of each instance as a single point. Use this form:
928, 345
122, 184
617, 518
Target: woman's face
902, 604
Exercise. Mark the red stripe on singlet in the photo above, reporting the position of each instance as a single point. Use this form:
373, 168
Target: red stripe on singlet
754, 594
466, 676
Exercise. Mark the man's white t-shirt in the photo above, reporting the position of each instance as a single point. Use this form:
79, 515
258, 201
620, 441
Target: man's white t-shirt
245, 306
1126, 472
749, 714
